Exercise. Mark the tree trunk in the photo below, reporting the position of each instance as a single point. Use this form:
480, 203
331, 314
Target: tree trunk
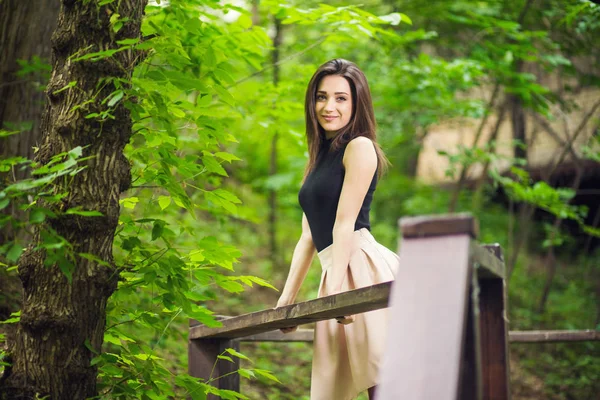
550, 257
525, 222
273, 158
465, 168
255, 12
26, 27
519, 127
477, 201
61, 321
26, 30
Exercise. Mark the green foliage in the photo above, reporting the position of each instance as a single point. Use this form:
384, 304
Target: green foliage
38, 198
207, 109
184, 100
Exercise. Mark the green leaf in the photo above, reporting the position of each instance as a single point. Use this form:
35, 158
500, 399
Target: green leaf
177, 112
392, 19
67, 86
14, 253
227, 195
246, 373
223, 76
196, 256
237, 354
217, 200
128, 42
227, 156
78, 211
261, 282
5, 133
244, 21
114, 20
94, 258
157, 229
224, 95
164, 201
129, 202
76, 152
213, 165
37, 216
145, 357
221, 357
230, 286
116, 96
130, 243
66, 267
266, 374
109, 338
96, 360
88, 345
15, 317
204, 101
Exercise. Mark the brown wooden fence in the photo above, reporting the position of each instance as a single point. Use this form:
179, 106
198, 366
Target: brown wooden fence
447, 336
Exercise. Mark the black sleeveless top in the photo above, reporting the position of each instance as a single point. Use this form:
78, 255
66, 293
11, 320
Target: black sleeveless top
320, 194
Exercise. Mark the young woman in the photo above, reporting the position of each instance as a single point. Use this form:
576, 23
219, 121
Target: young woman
344, 165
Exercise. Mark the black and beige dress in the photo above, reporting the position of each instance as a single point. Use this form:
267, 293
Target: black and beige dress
346, 358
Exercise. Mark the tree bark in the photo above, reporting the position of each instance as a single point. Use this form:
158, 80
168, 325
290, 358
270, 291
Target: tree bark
477, 201
25, 30
525, 222
465, 168
61, 321
273, 157
550, 257
518, 126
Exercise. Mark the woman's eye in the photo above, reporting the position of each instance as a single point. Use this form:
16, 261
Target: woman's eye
341, 98
320, 97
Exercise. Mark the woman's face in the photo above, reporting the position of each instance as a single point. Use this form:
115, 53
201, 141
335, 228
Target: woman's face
333, 104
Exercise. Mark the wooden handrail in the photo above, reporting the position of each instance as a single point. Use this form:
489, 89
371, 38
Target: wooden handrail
516, 337
449, 288
447, 317
587, 335
351, 302
439, 225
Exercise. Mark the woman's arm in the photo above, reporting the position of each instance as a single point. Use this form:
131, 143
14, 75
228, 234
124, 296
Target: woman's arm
360, 163
301, 260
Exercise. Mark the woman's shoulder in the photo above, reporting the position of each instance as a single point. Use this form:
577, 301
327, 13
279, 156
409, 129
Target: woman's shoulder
360, 144
361, 149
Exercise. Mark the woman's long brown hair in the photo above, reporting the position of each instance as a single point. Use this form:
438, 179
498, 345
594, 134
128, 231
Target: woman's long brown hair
362, 121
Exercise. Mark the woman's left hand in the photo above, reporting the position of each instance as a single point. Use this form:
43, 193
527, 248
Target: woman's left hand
345, 320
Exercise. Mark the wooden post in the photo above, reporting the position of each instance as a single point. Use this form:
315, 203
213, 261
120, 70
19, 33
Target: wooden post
494, 338
471, 387
429, 308
203, 362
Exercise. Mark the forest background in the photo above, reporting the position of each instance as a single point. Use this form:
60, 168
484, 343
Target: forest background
205, 99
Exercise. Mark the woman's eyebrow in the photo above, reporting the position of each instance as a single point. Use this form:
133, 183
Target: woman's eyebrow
322, 91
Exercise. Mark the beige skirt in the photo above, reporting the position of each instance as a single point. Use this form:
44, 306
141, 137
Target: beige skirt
346, 358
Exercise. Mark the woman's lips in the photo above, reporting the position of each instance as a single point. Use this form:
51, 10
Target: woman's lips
329, 118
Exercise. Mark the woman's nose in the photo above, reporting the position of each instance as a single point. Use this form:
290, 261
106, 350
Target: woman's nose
330, 105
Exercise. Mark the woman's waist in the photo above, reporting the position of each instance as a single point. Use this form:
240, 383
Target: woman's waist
360, 237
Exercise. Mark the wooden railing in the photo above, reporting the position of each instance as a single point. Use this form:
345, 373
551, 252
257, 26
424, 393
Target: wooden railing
447, 336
